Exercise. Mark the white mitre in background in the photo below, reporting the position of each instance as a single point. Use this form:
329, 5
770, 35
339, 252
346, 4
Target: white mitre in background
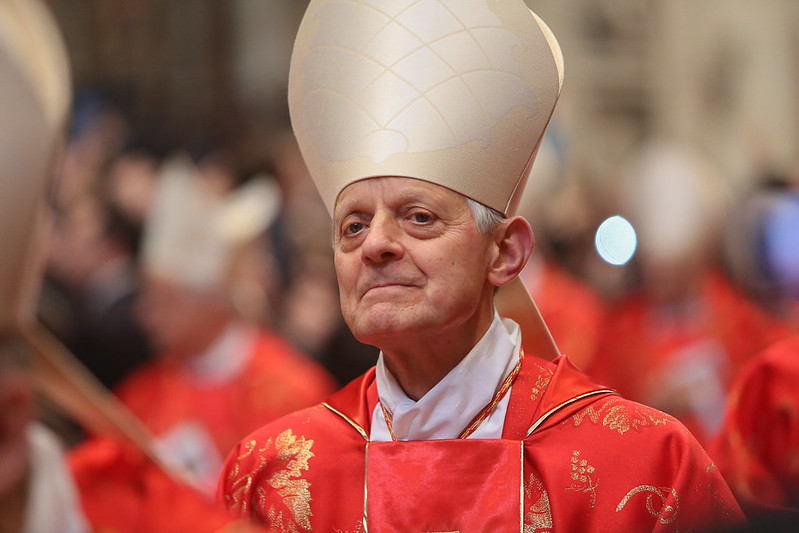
193, 233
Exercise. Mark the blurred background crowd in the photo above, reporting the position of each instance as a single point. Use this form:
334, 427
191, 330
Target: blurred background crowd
181, 206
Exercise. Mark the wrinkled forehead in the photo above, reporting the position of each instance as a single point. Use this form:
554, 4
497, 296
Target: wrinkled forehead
395, 189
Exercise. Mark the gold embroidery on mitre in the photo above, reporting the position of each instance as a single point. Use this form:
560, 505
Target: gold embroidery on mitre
538, 519
665, 512
541, 382
581, 475
621, 417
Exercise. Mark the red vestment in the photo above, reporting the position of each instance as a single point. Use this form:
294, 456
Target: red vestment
682, 360
573, 457
199, 423
123, 492
757, 449
571, 308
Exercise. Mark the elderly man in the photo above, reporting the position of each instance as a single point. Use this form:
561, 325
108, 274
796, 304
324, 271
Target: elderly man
419, 122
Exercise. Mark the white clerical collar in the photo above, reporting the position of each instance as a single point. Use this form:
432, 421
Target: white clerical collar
454, 401
225, 358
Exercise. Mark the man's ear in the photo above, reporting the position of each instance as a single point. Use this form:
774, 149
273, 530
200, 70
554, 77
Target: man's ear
514, 241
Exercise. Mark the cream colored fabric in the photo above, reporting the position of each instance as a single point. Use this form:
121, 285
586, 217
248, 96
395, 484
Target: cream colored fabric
454, 92
193, 233
53, 502
35, 89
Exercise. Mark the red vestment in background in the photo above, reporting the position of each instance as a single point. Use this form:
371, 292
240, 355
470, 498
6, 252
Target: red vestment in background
573, 457
123, 492
682, 360
757, 449
571, 308
212, 417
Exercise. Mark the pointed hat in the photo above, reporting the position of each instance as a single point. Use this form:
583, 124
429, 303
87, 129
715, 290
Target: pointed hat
454, 92
35, 89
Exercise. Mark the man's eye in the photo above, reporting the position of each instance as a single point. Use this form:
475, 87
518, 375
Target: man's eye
352, 229
421, 218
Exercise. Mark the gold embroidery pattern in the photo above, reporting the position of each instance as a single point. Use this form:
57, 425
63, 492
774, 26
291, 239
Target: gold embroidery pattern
708, 491
236, 500
541, 382
582, 480
620, 417
358, 529
664, 511
539, 517
291, 457
294, 490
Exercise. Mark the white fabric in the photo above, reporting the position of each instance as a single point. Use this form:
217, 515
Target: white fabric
225, 358
53, 505
446, 410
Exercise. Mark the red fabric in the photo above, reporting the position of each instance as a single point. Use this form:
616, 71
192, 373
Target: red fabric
276, 381
758, 447
122, 492
572, 309
597, 463
643, 348
430, 470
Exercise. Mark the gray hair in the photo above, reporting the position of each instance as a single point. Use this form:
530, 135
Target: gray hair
485, 218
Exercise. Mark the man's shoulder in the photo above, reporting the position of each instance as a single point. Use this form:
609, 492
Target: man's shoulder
617, 415
312, 421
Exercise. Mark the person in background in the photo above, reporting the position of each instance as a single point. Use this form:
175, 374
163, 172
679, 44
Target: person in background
216, 376
571, 307
419, 123
92, 261
676, 340
756, 449
37, 491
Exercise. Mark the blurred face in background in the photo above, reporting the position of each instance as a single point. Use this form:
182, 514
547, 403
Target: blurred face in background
180, 322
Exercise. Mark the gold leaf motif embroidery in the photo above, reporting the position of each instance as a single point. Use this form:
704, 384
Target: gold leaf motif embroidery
290, 458
620, 417
294, 490
240, 485
581, 475
665, 512
541, 382
538, 519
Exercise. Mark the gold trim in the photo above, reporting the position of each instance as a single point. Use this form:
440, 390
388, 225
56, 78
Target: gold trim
365, 495
521, 486
352, 422
564, 404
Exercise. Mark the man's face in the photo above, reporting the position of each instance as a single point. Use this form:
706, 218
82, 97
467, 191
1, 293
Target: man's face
179, 322
409, 261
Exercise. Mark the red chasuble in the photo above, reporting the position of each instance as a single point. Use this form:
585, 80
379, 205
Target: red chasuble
758, 445
573, 457
683, 365
214, 417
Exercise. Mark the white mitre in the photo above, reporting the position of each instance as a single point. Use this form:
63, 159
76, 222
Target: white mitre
454, 92
193, 233
675, 198
36, 89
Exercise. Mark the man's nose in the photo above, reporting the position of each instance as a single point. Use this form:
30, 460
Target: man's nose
383, 240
